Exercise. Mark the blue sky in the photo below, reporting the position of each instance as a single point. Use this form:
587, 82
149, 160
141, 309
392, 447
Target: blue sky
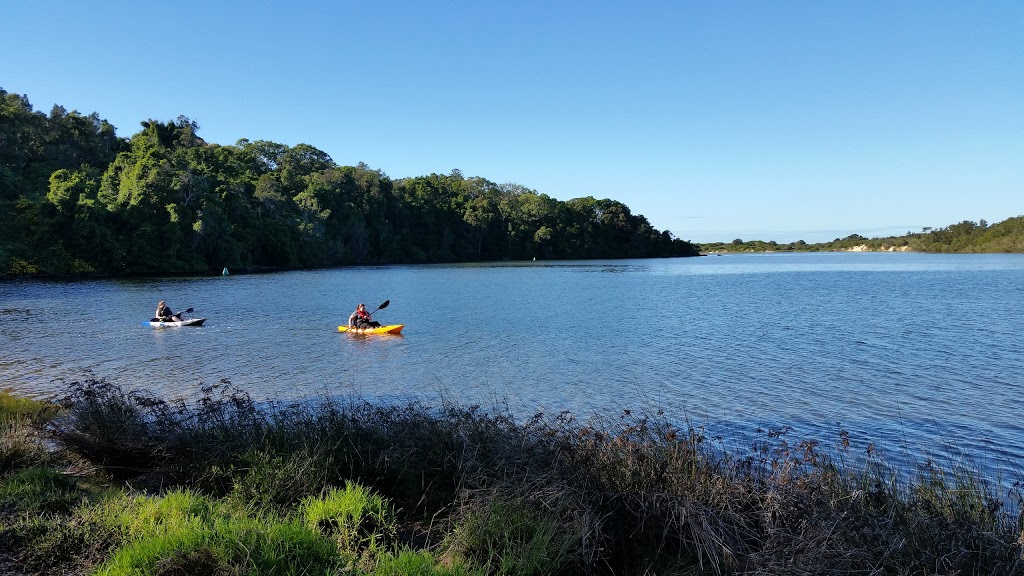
716, 120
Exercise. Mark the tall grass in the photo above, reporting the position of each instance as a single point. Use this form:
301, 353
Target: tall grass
186, 532
355, 517
630, 494
13, 407
20, 444
516, 533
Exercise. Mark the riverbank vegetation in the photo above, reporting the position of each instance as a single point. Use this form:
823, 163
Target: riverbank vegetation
75, 198
965, 237
126, 483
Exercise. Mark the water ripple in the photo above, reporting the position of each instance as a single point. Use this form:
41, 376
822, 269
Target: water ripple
917, 352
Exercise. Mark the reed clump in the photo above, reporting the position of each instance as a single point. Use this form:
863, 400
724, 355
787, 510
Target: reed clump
225, 485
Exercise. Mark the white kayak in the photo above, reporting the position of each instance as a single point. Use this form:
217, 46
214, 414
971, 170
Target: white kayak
161, 324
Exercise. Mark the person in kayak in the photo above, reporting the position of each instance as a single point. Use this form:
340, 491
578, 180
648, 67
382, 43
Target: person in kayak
164, 314
361, 319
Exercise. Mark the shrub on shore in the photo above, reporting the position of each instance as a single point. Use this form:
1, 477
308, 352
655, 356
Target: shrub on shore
460, 490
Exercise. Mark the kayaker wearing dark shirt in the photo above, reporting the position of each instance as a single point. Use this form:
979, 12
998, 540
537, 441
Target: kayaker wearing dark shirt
361, 318
164, 314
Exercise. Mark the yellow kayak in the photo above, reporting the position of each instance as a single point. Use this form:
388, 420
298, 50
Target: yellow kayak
390, 329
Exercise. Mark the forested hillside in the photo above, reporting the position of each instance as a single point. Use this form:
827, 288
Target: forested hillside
76, 198
967, 236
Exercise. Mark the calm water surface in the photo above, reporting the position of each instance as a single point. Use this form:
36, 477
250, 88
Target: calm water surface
910, 350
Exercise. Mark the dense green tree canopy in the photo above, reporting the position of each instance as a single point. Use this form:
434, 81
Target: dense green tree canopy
76, 198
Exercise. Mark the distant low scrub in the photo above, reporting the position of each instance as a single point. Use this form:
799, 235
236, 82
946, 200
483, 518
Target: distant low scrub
224, 485
965, 237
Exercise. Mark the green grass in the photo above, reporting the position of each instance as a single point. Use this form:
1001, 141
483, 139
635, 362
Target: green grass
49, 522
20, 442
182, 530
38, 490
17, 408
20, 445
355, 517
223, 486
517, 534
407, 562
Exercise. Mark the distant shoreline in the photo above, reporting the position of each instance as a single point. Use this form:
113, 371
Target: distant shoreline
967, 237
858, 248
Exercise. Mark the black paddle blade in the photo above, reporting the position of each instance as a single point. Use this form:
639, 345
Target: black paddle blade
384, 305
189, 311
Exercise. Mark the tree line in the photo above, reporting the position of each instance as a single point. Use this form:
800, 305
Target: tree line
75, 198
965, 237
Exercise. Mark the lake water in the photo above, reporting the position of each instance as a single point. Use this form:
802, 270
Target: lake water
923, 352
